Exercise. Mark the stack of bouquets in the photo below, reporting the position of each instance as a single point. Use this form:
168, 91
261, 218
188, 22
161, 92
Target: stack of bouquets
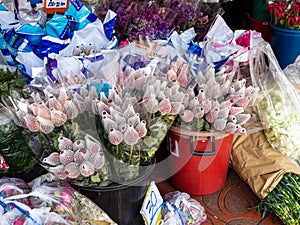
50, 117
218, 102
46, 203
137, 113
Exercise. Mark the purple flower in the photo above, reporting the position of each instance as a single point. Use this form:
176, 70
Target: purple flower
156, 19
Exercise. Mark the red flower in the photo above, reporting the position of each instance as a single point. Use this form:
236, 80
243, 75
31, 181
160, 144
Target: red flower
291, 20
279, 14
285, 14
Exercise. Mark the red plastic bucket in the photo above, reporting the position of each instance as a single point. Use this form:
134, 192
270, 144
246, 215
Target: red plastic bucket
199, 160
261, 26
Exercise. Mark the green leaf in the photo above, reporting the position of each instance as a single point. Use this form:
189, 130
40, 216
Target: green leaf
95, 178
11, 82
150, 141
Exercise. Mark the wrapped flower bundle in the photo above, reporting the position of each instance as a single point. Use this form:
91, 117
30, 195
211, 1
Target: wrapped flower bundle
45, 203
13, 146
54, 136
283, 200
217, 103
185, 209
136, 114
279, 104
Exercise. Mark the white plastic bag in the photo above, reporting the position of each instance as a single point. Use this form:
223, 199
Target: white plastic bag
279, 109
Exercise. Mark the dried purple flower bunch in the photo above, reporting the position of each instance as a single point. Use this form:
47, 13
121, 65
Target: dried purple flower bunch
156, 19
182, 15
135, 18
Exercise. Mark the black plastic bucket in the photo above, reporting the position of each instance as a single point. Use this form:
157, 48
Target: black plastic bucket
122, 202
235, 14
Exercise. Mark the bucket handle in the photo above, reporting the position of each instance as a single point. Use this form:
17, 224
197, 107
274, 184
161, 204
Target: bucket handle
198, 153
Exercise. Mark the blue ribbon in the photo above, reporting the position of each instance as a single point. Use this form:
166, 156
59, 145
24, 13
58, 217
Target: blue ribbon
164, 204
195, 49
5, 206
156, 211
25, 213
179, 213
33, 2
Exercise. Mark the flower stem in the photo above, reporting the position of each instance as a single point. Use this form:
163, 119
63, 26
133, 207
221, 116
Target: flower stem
130, 154
117, 149
43, 136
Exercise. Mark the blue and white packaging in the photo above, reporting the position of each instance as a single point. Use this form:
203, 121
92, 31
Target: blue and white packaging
5, 53
33, 33
27, 14
182, 41
51, 45
96, 37
109, 23
30, 61
60, 26
25, 38
7, 17
80, 13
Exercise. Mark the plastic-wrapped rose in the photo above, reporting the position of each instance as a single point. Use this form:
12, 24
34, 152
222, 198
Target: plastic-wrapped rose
217, 103
136, 114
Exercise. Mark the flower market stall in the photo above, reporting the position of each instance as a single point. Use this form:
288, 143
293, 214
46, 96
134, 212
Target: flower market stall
89, 90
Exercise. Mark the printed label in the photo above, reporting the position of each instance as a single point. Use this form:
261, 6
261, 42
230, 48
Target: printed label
51, 4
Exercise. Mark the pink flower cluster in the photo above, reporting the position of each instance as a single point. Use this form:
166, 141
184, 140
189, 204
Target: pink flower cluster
80, 157
285, 14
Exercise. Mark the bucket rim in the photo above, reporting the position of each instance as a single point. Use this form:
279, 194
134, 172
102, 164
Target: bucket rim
145, 172
188, 133
284, 30
262, 22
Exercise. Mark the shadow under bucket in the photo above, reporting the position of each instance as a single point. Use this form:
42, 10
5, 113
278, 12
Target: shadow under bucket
199, 160
122, 202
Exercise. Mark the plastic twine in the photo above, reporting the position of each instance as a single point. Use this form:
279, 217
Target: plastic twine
7, 208
179, 213
164, 204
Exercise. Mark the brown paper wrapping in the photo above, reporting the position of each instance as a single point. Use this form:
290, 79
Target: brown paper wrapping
258, 164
